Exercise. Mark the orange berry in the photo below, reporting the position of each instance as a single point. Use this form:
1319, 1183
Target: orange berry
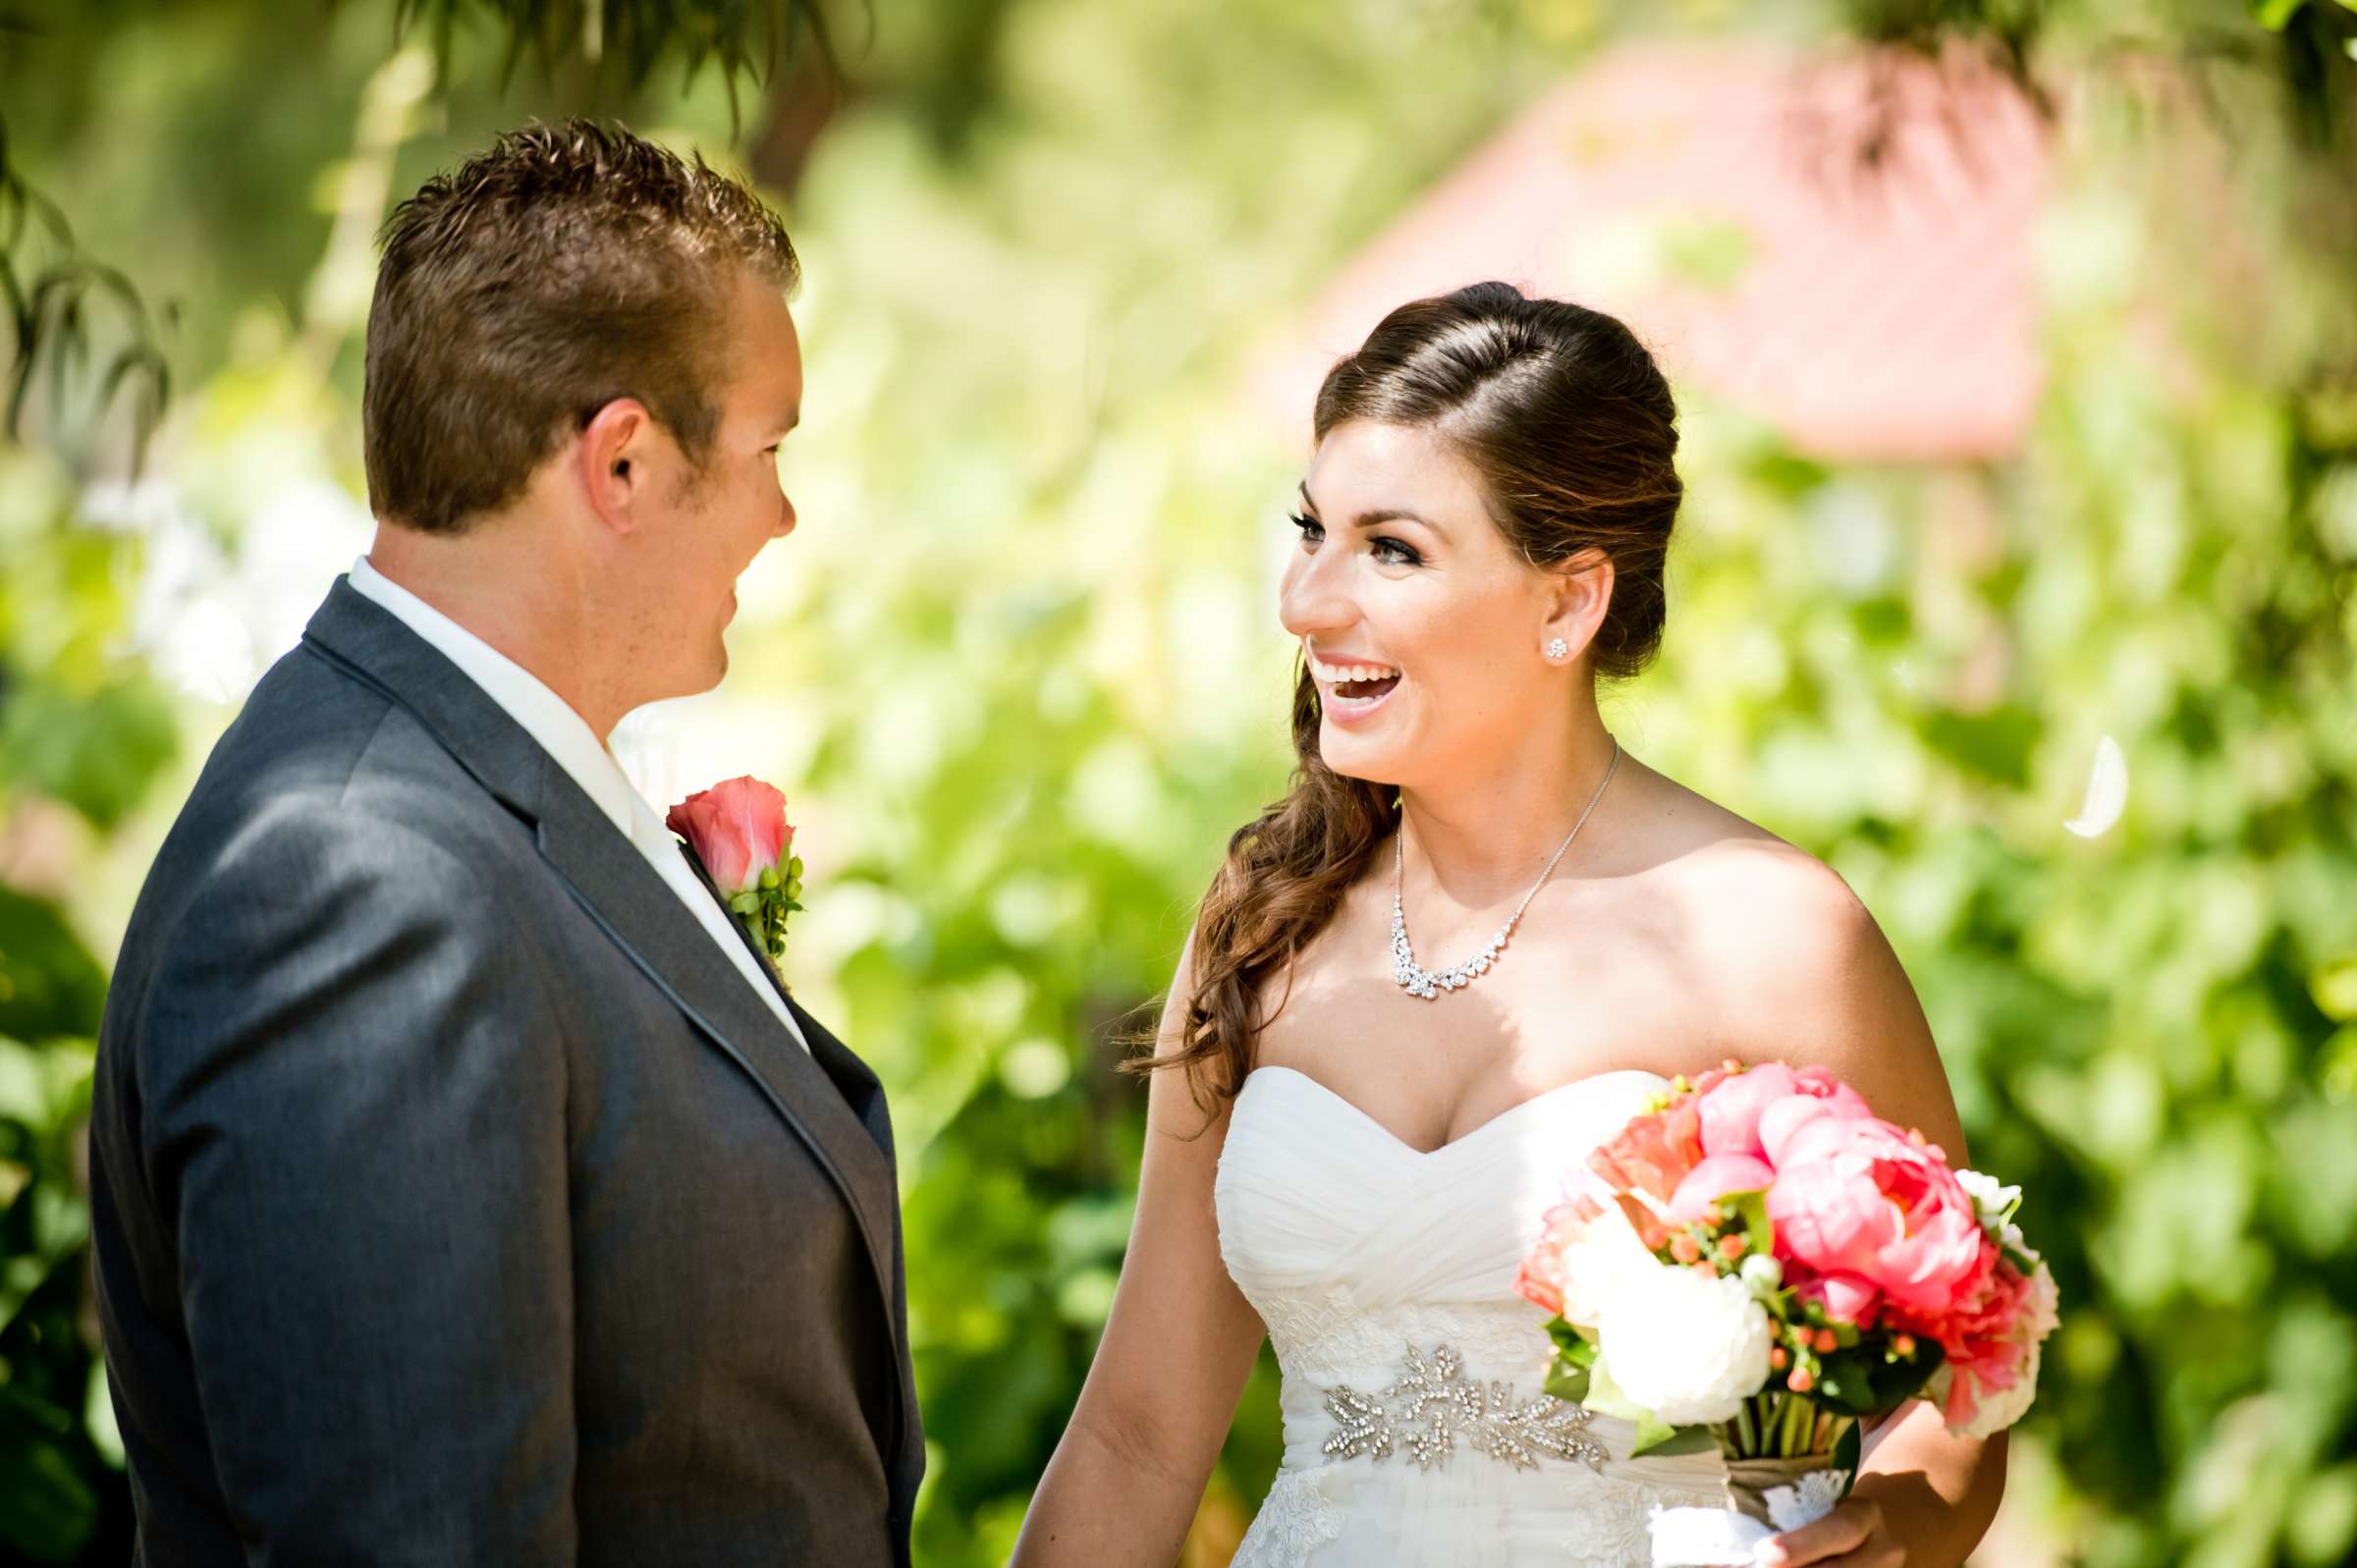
1685, 1248
1904, 1345
1800, 1381
1731, 1244
1778, 1357
1827, 1342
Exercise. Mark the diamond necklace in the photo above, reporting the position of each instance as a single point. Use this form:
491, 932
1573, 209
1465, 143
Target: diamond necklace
1417, 981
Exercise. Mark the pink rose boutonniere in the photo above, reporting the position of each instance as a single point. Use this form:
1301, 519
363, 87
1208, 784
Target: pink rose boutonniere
738, 829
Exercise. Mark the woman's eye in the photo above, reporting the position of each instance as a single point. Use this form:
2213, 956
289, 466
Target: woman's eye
1391, 552
1312, 531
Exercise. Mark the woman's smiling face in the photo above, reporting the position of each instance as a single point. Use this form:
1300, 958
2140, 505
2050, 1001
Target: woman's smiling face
1422, 625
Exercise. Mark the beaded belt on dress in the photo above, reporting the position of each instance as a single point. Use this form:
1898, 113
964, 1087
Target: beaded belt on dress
1432, 1406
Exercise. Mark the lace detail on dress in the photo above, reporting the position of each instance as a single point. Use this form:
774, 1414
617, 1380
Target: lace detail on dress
1611, 1527
1296, 1520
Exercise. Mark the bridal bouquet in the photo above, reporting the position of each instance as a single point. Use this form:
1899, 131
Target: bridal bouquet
1775, 1265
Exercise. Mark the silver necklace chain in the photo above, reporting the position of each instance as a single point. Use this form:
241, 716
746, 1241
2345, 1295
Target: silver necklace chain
1417, 981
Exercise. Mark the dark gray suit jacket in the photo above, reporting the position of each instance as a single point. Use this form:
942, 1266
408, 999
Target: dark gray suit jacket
455, 1198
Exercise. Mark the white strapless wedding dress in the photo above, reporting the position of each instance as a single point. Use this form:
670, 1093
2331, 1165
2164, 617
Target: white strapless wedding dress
1416, 1427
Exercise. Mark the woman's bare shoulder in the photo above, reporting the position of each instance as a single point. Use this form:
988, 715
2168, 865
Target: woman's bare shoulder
1788, 962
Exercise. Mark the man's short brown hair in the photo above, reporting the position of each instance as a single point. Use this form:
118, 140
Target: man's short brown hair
565, 267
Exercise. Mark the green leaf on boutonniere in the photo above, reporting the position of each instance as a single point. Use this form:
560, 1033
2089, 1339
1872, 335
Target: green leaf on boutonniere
746, 903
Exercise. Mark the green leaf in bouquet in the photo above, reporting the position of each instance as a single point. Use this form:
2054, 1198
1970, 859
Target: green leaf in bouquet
1575, 1352
1606, 1399
1568, 1381
1865, 1379
1571, 1340
1656, 1437
1850, 1453
1750, 1211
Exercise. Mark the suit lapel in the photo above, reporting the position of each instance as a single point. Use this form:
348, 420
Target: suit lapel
851, 1077
630, 899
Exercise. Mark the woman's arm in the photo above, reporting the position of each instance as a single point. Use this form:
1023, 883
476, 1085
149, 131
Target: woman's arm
1124, 1483
1817, 984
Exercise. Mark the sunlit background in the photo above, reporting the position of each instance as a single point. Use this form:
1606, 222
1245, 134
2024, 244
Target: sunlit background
2018, 353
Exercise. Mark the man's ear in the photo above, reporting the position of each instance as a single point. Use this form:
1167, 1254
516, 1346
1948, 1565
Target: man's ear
1580, 592
613, 456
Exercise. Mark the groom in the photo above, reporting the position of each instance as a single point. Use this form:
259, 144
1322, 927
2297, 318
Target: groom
466, 1188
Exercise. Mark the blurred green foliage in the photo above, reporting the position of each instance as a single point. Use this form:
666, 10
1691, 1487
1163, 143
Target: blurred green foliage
1020, 670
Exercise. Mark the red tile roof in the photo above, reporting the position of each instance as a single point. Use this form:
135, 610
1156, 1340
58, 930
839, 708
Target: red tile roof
1731, 207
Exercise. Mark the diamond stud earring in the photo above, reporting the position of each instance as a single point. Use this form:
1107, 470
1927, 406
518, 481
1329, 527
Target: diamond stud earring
1557, 648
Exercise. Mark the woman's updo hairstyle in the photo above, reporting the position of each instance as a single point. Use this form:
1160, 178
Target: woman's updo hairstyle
1570, 425
1563, 415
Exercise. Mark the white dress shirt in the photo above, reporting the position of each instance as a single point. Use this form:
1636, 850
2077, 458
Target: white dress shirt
567, 738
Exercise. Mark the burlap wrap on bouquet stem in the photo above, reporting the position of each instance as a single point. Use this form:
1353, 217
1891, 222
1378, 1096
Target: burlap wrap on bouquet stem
1750, 1480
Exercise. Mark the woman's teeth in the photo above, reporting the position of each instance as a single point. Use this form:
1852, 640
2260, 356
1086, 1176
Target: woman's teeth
1339, 674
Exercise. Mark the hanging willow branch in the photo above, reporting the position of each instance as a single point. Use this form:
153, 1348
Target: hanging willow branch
748, 40
60, 304
50, 292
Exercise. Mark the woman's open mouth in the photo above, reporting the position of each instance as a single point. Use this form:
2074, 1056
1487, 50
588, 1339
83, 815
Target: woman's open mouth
1353, 691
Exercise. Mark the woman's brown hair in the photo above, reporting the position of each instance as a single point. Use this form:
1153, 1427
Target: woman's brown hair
1572, 429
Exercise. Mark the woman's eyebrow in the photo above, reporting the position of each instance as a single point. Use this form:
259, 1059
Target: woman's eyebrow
1380, 515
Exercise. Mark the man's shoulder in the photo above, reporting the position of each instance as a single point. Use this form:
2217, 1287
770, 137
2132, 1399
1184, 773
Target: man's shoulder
322, 785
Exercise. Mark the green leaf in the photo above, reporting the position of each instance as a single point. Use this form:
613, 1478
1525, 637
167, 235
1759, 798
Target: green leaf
1680, 1440
97, 752
1571, 1340
49, 984
47, 1507
1652, 1433
1995, 744
1566, 1380
1750, 1210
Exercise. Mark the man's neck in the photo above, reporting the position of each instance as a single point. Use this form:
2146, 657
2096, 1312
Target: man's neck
521, 605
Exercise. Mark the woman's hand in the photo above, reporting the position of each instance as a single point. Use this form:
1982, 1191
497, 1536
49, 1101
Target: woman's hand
1855, 1534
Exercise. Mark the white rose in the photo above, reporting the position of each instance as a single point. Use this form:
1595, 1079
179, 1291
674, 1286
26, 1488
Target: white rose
1605, 1256
1687, 1346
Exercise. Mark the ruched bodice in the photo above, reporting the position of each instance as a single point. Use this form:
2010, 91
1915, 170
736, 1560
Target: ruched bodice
1387, 1273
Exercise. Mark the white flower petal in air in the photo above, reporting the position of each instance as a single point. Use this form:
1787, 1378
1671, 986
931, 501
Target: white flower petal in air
2107, 791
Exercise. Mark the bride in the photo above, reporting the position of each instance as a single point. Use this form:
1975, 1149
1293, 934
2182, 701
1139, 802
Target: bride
1472, 938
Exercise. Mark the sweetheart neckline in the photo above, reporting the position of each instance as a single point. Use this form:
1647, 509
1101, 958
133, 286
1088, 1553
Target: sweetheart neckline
1466, 1137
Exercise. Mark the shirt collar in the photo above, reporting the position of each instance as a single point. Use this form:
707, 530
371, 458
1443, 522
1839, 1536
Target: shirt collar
544, 716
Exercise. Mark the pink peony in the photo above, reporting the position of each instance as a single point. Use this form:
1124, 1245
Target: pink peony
1714, 1178
1992, 1342
1731, 1108
1855, 1195
1845, 1298
737, 829
1543, 1271
1653, 1152
1820, 1083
